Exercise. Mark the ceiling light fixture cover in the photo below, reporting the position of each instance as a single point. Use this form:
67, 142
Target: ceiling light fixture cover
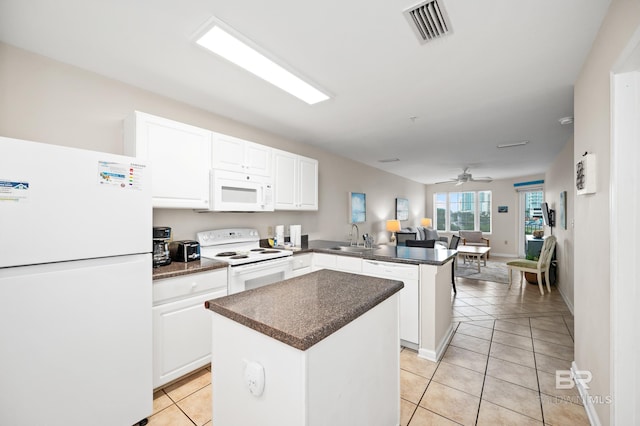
511, 145
222, 40
428, 20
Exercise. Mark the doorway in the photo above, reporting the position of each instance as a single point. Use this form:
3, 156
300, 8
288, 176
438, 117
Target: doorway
530, 217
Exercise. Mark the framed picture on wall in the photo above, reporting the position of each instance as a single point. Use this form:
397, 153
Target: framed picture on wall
357, 207
563, 209
402, 209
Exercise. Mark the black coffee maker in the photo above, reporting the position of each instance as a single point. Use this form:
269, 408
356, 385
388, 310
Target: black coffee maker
161, 237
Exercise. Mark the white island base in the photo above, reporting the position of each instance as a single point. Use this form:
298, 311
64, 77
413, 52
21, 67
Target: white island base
436, 328
351, 377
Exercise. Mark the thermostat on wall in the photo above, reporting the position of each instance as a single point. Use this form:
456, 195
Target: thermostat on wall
586, 175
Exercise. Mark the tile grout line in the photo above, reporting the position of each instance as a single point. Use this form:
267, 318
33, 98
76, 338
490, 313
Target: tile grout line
535, 364
486, 368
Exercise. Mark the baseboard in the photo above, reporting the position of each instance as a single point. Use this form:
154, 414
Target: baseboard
509, 255
566, 301
584, 395
442, 346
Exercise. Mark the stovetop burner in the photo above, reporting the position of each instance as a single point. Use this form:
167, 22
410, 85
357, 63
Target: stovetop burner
236, 246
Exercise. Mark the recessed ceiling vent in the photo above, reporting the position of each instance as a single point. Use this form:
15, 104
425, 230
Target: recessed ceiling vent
429, 20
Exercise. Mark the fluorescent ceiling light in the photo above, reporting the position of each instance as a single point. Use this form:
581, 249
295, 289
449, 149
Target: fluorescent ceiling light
221, 42
509, 145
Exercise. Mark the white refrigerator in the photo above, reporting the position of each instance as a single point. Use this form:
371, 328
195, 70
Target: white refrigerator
75, 286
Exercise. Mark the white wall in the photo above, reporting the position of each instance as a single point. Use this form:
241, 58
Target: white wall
592, 132
559, 177
52, 102
504, 235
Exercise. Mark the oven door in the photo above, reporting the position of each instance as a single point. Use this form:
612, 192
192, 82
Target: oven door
237, 192
254, 275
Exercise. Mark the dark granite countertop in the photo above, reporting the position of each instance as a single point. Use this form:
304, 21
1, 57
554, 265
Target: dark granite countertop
176, 269
302, 311
397, 254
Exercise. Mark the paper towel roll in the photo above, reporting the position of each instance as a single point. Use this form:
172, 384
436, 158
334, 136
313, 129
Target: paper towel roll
279, 239
295, 235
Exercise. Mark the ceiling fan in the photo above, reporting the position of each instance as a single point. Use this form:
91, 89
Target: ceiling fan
465, 177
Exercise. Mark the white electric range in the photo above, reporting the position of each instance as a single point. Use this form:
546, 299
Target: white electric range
250, 266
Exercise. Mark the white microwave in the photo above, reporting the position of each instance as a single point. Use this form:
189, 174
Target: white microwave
239, 192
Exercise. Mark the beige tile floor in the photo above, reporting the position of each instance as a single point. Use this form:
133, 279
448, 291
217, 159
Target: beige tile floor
499, 368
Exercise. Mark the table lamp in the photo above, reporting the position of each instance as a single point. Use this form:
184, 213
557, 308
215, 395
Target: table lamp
426, 222
393, 226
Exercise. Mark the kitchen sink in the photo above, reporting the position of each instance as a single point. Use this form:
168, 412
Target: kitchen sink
351, 249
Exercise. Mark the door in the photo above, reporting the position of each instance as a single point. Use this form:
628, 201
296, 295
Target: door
180, 159
181, 337
76, 342
77, 204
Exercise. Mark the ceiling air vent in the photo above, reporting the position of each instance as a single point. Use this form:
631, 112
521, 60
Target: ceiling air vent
429, 20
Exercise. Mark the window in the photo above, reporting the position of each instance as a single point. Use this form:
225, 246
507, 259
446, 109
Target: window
466, 211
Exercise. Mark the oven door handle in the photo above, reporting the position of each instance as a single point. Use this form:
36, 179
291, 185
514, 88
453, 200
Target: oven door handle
263, 264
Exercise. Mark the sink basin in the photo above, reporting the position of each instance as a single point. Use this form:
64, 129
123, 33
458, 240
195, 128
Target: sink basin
350, 249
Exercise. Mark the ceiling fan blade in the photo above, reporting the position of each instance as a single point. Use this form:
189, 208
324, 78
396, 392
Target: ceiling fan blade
447, 181
482, 179
460, 182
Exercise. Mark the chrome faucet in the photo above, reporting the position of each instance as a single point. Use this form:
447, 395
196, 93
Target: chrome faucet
353, 225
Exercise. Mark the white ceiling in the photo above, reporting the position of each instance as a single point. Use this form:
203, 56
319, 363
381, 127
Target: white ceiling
504, 75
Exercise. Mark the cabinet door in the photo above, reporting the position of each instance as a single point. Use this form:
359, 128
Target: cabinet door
238, 155
179, 156
257, 159
285, 183
409, 295
228, 153
324, 261
181, 337
308, 186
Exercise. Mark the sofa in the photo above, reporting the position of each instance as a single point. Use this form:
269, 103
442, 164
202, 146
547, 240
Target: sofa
423, 233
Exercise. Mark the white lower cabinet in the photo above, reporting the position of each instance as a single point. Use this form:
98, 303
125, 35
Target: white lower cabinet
182, 325
409, 295
301, 264
337, 262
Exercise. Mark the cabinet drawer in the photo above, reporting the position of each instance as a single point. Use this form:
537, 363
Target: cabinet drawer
321, 260
168, 289
399, 271
301, 261
349, 264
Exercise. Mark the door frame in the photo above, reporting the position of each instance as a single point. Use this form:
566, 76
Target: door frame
625, 232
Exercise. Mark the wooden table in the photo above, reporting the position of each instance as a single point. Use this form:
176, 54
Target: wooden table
475, 251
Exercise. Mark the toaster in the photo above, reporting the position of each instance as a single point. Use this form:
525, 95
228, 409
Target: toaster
184, 251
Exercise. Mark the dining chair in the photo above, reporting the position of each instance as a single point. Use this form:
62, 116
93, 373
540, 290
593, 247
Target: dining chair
537, 267
453, 245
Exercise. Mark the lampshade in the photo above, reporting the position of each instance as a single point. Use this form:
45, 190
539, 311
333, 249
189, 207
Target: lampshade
426, 222
393, 225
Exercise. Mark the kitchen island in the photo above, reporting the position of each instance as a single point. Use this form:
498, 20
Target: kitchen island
425, 302
318, 349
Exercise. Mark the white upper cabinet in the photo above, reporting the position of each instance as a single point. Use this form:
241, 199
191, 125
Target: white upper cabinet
179, 156
296, 181
238, 155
